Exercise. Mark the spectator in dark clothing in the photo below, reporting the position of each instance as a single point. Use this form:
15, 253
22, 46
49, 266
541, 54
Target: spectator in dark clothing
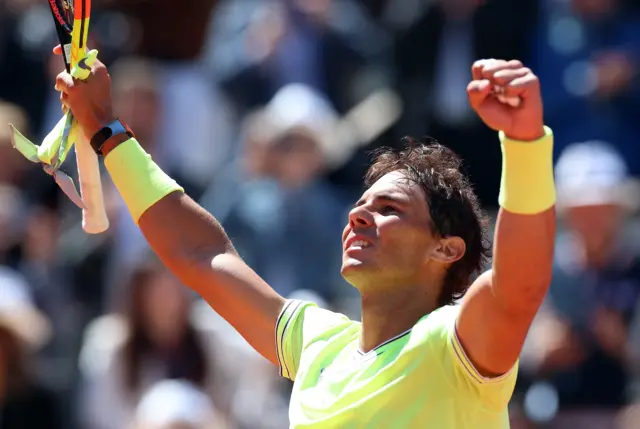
279, 211
587, 54
433, 58
280, 44
23, 72
24, 403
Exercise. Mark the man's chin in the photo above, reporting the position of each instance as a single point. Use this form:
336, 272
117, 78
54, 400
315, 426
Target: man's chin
351, 264
354, 270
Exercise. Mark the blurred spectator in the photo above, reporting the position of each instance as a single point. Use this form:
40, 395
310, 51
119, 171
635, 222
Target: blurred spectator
46, 272
578, 347
176, 404
284, 219
124, 355
333, 47
12, 164
436, 44
587, 54
24, 402
194, 113
261, 47
259, 396
12, 208
29, 243
26, 37
14, 169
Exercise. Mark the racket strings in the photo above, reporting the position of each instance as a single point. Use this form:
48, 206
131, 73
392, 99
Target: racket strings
67, 6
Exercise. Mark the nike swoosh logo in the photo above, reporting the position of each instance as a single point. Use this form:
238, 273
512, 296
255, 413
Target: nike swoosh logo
83, 64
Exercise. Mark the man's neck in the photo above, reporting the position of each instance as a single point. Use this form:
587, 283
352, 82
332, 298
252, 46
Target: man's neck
390, 313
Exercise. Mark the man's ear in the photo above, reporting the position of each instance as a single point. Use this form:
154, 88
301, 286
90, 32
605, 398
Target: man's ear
449, 250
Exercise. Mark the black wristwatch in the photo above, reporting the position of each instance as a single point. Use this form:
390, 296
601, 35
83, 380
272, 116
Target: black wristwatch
113, 129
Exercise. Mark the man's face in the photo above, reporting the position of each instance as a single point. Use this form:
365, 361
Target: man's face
389, 238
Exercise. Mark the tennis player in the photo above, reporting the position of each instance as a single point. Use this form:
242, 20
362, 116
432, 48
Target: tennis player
411, 247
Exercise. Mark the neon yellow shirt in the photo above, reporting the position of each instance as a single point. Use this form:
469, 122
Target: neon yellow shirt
419, 379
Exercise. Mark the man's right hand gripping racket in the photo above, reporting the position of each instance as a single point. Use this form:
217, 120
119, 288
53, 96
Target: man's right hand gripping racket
72, 26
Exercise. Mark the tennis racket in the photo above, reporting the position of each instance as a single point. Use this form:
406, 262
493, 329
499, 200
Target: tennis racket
72, 26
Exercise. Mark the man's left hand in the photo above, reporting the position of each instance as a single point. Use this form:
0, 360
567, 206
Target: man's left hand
512, 80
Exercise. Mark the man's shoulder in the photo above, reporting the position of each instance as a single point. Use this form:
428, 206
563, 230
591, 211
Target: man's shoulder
304, 330
438, 325
326, 323
312, 322
441, 318
311, 311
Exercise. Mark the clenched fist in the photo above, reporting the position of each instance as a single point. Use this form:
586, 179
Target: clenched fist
512, 80
90, 100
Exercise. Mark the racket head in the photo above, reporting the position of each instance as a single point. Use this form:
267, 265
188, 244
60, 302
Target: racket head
63, 15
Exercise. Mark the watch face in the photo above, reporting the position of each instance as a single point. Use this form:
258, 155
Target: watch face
101, 137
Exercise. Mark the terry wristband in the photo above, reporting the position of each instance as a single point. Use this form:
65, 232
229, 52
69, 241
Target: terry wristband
138, 179
527, 185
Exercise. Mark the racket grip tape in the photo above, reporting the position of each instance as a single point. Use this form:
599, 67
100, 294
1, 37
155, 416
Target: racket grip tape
94, 217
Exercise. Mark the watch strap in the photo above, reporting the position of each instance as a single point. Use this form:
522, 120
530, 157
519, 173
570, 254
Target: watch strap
100, 141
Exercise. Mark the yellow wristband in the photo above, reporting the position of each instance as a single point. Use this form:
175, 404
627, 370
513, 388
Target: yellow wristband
138, 179
527, 185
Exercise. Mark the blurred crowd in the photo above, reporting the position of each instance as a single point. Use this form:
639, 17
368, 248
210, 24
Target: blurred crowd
266, 111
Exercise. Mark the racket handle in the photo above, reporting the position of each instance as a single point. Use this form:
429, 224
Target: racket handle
94, 217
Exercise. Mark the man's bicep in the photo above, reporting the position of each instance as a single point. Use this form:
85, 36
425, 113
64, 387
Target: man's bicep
491, 337
193, 244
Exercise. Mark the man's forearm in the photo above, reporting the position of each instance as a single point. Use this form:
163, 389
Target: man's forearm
178, 230
182, 232
522, 259
525, 230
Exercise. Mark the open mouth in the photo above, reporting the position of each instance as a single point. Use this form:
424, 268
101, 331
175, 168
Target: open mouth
358, 245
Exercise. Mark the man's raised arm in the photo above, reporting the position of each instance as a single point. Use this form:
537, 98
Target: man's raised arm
192, 243
188, 239
501, 304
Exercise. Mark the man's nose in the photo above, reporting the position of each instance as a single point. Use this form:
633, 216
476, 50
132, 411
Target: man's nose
360, 217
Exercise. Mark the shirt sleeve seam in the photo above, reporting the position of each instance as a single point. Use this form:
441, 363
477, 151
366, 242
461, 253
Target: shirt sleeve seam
470, 368
282, 363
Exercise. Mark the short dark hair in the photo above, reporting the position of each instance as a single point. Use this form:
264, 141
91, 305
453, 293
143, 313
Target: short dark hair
454, 207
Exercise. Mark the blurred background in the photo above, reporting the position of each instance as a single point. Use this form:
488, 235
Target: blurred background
266, 110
